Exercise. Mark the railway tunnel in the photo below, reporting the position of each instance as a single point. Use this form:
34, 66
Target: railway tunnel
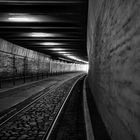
69, 69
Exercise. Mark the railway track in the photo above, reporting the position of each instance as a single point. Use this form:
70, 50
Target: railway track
5, 115
70, 123
35, 120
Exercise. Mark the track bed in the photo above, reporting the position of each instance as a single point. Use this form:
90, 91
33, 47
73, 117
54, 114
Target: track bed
70, 124
34, 121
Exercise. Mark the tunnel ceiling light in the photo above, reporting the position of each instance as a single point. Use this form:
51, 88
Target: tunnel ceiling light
77, 59
57, 49
50, 43
26, 17
40, 35
35, 34
63, 52
23, 18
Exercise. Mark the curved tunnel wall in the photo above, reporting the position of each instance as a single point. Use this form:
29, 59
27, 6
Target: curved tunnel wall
114, 72
19, 61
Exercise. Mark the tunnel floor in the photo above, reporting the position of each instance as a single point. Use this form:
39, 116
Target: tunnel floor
13, 100
17, 94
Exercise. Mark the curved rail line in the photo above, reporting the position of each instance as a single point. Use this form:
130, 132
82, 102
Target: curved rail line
48, 135
37, 97
26, 108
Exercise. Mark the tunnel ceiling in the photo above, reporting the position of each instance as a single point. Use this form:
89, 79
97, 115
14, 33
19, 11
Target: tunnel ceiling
54, 27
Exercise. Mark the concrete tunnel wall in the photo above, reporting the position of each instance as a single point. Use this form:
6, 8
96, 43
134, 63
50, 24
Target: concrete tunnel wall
19, 61
15, 60
113, 42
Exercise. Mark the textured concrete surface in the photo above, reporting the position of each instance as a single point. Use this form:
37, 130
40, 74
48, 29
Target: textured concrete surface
16, 60
34, 121
114, 73
19, 61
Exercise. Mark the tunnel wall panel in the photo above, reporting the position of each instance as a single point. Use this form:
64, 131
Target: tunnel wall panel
18, 61
114, 72
6, 64
15, 60
19, 65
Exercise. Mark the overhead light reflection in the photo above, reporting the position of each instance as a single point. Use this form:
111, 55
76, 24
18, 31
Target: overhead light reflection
50, 43
63, 52
57, 49
77, 59
41, 35
22, 19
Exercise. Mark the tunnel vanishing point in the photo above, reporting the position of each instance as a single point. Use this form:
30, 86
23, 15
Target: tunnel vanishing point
111, 35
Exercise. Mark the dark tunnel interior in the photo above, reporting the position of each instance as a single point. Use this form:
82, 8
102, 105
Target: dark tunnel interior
41, 39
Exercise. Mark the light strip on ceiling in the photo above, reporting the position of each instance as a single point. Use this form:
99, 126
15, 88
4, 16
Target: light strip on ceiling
56, 49
39, 34
77, 59
50, 43
22, 19
62, 52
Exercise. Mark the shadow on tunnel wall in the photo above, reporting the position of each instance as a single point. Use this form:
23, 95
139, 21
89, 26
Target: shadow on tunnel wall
99, 129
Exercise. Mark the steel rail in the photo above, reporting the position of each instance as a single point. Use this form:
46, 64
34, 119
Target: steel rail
48, 134
43, 94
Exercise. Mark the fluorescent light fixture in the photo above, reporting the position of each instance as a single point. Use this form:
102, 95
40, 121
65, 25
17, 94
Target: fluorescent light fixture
35, 34
22, 19
63, 52
65, 59
57, 49
77, 59
50, 43
72, 57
